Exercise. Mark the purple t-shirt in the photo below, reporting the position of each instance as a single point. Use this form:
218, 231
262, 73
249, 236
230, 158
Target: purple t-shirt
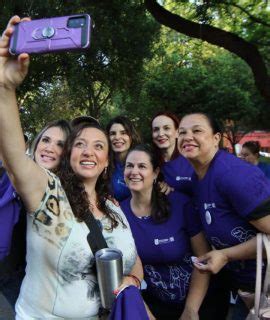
119, 188
165, 249
9, 214
178, 174
229, 192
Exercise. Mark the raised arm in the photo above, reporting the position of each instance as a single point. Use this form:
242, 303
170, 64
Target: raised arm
28, 178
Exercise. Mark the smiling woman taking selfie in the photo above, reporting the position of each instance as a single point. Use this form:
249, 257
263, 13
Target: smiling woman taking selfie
233, 199
60, 282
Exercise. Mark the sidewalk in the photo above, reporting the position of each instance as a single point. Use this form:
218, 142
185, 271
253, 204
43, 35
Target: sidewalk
6, 312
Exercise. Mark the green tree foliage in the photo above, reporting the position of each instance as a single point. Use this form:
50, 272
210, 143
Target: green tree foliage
241, 27
121, 41
130, 69
186, 76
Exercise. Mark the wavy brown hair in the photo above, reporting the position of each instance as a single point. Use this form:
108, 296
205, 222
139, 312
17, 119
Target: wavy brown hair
129, 127
74, 186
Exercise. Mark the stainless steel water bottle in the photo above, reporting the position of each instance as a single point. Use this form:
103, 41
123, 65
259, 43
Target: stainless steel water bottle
110, 273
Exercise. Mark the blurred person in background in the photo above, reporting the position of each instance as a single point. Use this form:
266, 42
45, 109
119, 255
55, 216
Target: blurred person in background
250, 152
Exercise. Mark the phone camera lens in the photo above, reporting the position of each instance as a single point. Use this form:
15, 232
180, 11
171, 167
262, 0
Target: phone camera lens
76, 22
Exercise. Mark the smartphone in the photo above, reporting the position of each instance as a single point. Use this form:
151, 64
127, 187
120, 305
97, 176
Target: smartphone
51, 35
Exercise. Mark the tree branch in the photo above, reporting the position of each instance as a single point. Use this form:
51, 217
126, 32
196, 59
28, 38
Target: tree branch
231, 42
253, 18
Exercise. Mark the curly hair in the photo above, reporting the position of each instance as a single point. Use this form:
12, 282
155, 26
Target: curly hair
160, 207
176, 122
74, 186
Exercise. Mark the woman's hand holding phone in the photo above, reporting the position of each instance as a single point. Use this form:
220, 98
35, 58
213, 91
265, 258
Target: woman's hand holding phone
50, 35
12, 70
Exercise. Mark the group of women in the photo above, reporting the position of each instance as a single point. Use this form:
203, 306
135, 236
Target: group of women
181, 198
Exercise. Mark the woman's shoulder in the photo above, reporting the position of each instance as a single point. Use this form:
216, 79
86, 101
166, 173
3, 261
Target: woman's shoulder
226, 165
115, 208
118, 213
51, 175
178, 197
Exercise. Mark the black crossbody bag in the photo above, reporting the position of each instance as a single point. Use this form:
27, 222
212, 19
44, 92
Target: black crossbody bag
95, 237
96, 242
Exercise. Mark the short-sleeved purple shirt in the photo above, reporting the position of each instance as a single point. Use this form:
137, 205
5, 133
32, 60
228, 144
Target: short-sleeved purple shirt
9, 214
165, 249
229, 192
119, 188
178, 174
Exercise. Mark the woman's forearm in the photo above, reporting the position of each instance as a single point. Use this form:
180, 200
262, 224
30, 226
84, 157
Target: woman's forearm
197, 290
215, 260
134, 278
242, 251
137, 269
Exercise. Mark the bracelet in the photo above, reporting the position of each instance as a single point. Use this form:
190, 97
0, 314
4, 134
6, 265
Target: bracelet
137, 280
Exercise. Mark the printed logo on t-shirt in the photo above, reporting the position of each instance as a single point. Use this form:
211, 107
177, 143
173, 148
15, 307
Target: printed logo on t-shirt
178, 178
122, 182
208, 217
163, 241
217, 243
209, 205
242, 235
173, 288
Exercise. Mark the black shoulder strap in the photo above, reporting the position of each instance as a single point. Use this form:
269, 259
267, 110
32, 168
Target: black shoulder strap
95, 237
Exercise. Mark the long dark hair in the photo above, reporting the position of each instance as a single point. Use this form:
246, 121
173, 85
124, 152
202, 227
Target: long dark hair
128, 126
253, 146
176, 122
74, 187
160, 209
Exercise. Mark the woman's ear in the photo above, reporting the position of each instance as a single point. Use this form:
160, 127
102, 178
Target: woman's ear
217, 138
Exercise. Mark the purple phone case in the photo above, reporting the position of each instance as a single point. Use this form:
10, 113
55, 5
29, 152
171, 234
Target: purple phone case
50, 35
